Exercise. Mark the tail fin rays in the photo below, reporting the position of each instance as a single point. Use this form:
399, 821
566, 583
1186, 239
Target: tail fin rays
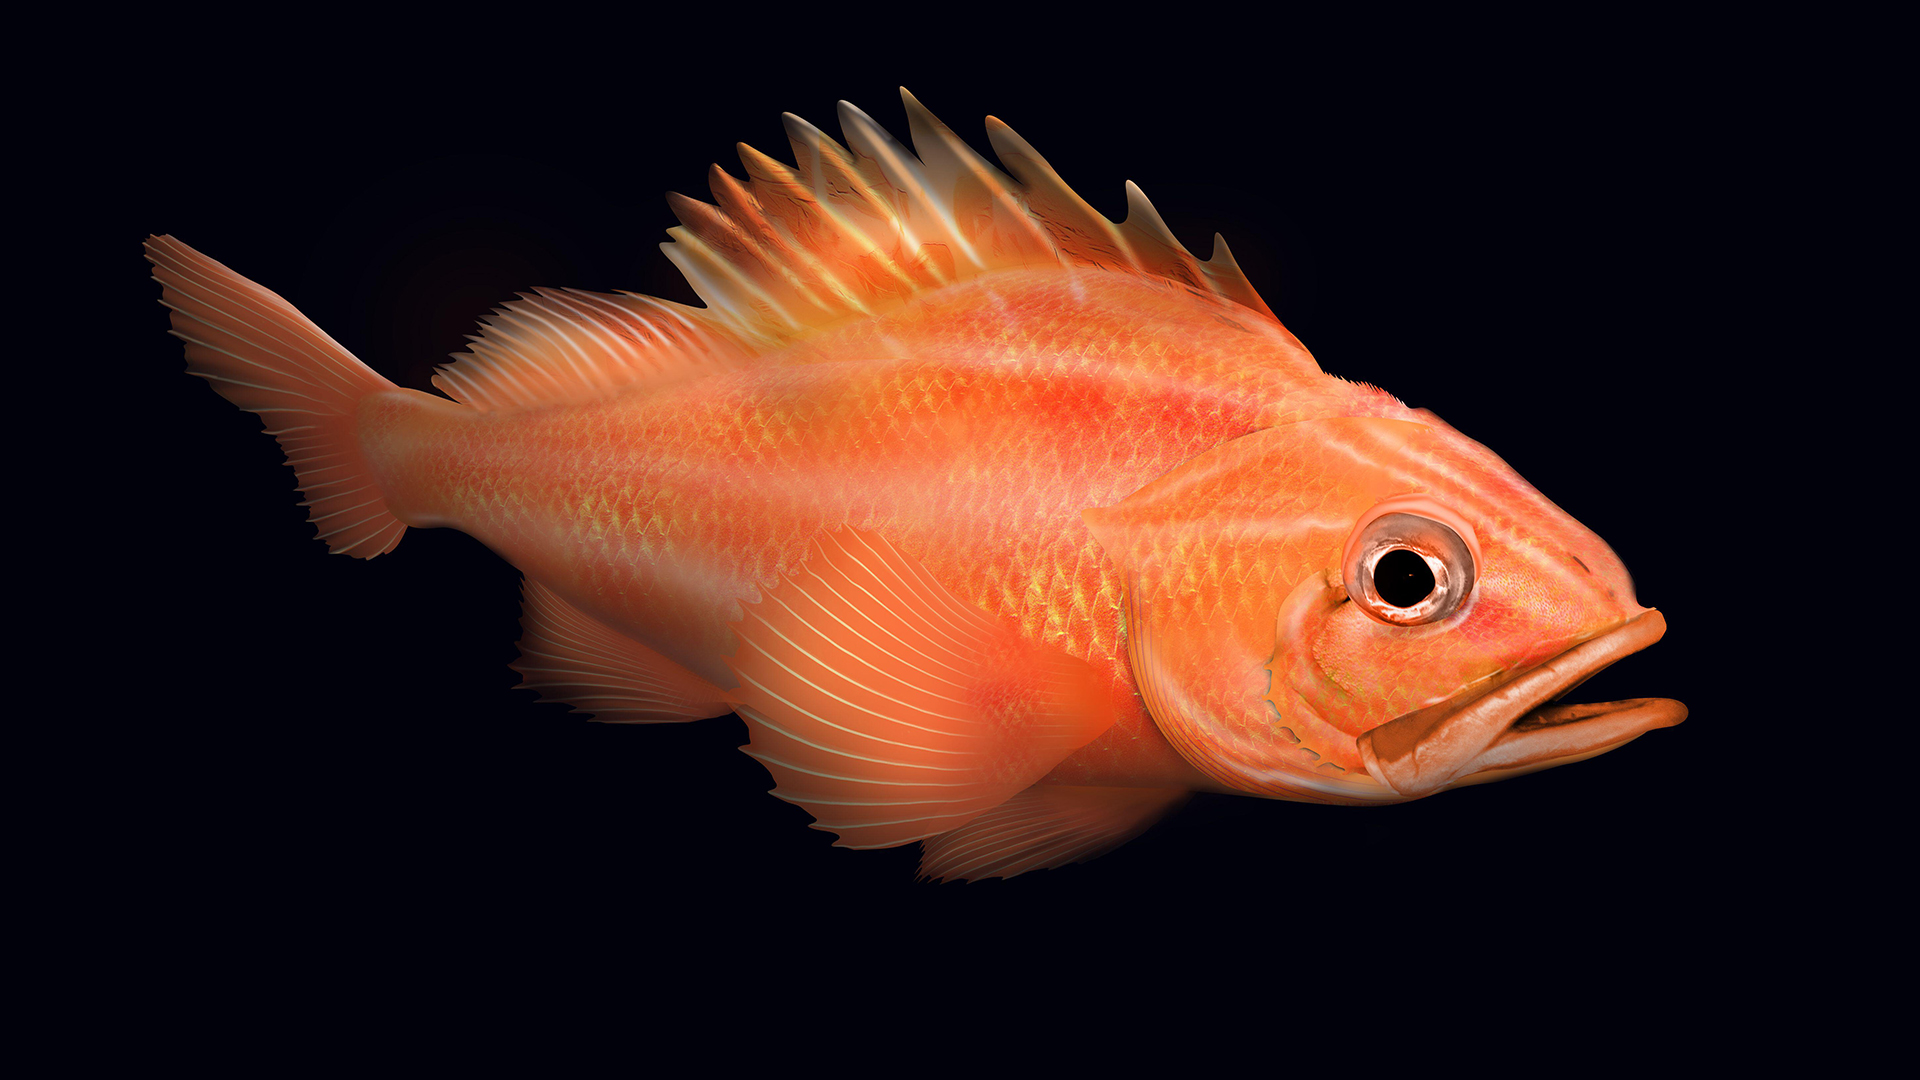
260, 353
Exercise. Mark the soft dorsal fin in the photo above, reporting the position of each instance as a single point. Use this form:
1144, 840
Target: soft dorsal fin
1045, 826
568, 655
842, 232
562, 345
890, 709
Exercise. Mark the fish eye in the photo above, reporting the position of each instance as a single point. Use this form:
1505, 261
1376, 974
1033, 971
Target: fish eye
1406, 569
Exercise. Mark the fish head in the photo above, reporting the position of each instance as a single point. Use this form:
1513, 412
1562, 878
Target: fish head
1364, 609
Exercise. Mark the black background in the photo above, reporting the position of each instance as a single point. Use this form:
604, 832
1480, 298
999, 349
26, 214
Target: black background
1517, 227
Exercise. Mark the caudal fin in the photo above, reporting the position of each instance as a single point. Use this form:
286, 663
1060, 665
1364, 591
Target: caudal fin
264, 356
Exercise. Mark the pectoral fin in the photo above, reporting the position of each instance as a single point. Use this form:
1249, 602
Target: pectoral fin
1045, 826
890, 709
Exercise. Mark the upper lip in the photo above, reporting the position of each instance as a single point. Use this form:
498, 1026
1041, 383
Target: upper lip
1508, 723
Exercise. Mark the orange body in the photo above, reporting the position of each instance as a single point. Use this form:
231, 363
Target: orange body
1002, 526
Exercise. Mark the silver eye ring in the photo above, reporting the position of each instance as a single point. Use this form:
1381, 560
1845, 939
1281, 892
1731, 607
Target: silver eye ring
1406, 569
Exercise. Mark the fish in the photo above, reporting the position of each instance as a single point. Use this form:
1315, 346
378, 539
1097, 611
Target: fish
1004, 528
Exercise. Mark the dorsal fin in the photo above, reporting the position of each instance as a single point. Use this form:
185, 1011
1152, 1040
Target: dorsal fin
842, 232
561, 345
848, 229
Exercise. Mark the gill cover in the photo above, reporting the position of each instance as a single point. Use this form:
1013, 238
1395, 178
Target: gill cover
1233, 562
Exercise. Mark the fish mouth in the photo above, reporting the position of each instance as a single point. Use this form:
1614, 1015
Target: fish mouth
1513, 725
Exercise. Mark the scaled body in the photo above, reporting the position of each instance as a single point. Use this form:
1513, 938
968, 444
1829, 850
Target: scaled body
662, 513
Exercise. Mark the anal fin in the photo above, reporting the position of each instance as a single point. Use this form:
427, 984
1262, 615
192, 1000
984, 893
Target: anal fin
890, 709
567, 655
1045, 826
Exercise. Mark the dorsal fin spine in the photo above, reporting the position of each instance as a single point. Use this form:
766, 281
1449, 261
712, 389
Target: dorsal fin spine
840, 192
720, 281
902, 172
948, 161
1048, 196
1141, 215
737, 206
774, 211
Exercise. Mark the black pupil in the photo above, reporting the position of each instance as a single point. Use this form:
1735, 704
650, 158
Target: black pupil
1402, 578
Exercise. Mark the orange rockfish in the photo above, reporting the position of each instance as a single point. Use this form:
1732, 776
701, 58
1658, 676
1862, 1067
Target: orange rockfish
1003, 527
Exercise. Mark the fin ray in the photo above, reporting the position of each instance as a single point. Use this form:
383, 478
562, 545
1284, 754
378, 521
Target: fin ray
849, 228
257, 351
556, 346
891, 710
569, 656
1045, 826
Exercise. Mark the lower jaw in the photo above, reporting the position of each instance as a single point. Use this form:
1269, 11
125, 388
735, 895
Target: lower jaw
1563, 734
1498, 734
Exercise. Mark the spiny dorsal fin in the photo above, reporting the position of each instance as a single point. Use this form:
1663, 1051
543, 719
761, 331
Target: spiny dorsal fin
847, 229
842, 232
